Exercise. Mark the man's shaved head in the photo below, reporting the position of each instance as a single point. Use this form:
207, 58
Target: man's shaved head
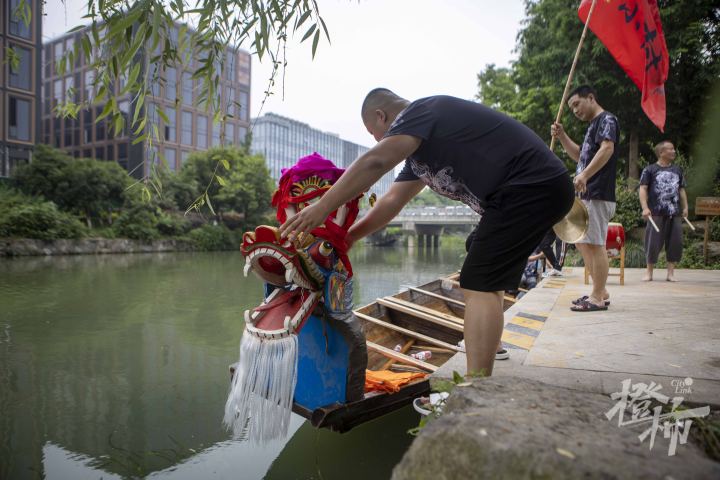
382, 99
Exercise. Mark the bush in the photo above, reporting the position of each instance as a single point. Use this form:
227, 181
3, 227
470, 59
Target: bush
39, 220
172, 224
82, 186
138, 222
213, 237
628, 210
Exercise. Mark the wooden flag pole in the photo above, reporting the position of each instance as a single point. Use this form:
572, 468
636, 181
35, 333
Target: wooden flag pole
572, 70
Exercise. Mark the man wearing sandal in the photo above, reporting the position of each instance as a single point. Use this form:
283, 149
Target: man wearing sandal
595, 183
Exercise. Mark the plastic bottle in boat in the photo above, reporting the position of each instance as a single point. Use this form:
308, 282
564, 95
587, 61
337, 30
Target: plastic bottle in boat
422, 355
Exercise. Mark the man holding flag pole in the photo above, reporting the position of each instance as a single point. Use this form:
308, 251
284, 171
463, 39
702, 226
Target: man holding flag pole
595, 183
632, 32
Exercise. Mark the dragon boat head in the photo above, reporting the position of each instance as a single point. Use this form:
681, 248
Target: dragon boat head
312, 269
307, 286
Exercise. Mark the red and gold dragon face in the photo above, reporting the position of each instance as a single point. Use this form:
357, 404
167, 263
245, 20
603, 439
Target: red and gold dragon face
312, 269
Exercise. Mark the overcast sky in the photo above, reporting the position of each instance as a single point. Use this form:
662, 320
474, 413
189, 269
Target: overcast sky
414, 47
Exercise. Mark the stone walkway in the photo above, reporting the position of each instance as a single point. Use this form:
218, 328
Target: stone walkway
653, 331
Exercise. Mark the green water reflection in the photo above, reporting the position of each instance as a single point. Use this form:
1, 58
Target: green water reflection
116, 367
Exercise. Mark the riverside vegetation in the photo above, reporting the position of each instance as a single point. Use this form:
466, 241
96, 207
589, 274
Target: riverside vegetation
59, 197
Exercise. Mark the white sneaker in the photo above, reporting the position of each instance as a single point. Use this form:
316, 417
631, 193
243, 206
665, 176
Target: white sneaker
552, 273
428, 405
501, 354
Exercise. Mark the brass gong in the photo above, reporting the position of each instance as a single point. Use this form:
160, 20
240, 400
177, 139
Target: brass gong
575, 224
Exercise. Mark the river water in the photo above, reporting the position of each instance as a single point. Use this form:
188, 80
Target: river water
116, 366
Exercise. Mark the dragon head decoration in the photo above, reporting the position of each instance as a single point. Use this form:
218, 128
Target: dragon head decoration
299, 275
311, 269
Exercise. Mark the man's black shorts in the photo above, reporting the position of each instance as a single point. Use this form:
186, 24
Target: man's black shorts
516, 219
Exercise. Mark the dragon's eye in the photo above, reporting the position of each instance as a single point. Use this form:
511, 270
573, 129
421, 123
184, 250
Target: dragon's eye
325, 249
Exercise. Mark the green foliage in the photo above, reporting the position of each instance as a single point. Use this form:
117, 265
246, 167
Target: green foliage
532, 88
213, 237
82, 186
715, 229
172, 224
138, 222
121, 31
444, 386
627, 210
39, 220
172, 191
236, 182
27, 217
428, 198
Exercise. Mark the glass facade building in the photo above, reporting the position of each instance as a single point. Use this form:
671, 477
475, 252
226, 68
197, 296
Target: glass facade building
20, 46
282, 141
184, 126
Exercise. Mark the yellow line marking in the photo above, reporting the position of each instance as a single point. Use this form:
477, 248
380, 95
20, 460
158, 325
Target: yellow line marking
518, 339
527, 322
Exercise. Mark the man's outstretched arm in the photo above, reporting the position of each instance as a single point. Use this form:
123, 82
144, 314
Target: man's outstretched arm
361, 175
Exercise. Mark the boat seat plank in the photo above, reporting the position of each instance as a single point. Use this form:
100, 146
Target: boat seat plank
420, 314
429, 311
409, 333
438, 296
399, 357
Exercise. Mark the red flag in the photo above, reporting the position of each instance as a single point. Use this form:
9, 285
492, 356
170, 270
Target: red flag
632, 32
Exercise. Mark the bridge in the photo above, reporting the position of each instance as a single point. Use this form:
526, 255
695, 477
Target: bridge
428, 222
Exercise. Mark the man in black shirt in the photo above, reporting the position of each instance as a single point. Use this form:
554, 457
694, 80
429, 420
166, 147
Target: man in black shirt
662, 196
471, 153
595, 182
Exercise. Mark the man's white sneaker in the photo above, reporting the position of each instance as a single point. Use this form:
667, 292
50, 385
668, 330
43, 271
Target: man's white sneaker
501, 354
552, 273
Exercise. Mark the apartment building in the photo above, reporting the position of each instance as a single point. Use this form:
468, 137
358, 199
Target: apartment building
282, 141
19, 83
189, 126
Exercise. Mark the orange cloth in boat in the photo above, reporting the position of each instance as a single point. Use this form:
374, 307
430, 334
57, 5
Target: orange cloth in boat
387, 381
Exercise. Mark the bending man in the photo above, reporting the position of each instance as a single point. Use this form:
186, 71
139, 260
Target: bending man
473, 154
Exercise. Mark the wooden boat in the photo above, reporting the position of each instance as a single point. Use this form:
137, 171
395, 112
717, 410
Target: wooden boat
423, 318
443, 295
386, 327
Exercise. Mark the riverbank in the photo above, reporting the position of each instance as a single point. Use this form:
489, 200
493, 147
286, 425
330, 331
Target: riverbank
555, 408
22, 247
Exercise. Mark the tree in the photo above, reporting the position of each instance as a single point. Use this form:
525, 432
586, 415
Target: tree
243, 185
120, 30
85, 187
532, 88
248, 190
428, 198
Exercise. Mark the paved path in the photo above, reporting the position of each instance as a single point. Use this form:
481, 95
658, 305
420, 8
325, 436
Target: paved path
657, 331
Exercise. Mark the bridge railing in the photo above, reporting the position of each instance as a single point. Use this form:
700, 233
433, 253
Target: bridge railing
436, 212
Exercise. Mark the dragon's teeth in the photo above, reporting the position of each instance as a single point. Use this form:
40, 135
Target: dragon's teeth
289, 274
247, 268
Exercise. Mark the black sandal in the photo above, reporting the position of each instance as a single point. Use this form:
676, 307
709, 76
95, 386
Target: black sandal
586, 306
585, 298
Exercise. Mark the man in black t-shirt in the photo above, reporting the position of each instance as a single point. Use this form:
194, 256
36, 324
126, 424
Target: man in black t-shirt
471, 153
662, 196
595, 183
